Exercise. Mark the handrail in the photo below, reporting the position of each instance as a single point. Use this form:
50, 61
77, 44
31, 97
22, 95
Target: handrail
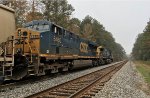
30, 50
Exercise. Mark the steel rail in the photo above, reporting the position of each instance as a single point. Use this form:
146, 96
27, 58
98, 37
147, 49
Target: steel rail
84, 91
72, 88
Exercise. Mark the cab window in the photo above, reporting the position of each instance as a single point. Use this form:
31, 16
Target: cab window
57, 30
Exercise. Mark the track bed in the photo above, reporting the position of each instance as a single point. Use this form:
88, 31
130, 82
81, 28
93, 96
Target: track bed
83, 87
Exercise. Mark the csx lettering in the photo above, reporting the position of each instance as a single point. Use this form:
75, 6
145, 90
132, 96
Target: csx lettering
83, 47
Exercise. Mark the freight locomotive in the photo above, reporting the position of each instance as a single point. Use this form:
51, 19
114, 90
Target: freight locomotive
43, 47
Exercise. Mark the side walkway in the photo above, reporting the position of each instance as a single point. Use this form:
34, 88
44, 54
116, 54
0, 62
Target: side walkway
124, 84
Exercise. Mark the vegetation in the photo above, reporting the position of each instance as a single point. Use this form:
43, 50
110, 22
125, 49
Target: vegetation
60, 12
141, 50
144, 68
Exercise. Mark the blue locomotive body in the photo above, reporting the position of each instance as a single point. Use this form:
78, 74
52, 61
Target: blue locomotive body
56, 40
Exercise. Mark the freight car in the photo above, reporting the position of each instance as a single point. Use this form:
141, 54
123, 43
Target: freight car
7, 22
44, 47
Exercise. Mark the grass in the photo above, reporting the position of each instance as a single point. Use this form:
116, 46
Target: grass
144, 68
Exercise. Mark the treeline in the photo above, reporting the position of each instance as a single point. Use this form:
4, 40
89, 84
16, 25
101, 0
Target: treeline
60, 12
141, 49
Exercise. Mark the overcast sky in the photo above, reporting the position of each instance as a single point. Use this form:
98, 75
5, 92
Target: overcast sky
125, 19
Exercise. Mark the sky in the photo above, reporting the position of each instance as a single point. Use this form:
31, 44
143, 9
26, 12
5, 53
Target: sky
125, 19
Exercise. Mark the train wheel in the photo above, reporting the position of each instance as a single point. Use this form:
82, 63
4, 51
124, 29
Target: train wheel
1, 80
60, 70
70, 65
99, 63
70, 68
48, 72
94, 63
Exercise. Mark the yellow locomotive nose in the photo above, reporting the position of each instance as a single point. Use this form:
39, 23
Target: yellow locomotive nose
27, 41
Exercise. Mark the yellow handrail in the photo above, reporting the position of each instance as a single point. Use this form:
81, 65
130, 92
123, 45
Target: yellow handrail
30, 50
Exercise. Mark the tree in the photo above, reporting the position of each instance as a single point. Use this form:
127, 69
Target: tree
87, 28
5, 2
34, 16
58, 11
34, 13
147, 28
141, 49
92, 29
74, 26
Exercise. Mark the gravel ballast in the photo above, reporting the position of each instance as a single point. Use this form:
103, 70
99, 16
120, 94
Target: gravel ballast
31, 88
124, 84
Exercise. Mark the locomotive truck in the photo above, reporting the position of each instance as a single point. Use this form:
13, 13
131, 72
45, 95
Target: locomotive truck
43, 47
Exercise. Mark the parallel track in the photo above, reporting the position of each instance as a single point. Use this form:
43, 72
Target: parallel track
82, 87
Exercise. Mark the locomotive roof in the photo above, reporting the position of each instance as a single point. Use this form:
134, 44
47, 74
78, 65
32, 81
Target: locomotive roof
37, 22
45, 22
7, 8
42, 22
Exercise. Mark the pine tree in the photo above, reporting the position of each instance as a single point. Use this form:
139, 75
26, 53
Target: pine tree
141, 49
34, 11
58, 11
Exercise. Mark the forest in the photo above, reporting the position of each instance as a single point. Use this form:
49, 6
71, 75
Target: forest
141, 49
60, 12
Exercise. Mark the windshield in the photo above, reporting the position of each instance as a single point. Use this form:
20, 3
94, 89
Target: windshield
40, 28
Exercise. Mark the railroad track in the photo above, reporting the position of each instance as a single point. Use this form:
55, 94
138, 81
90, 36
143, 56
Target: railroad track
82, 87
16, 84
10, 85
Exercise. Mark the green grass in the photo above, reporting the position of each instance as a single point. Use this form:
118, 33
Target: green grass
144, 69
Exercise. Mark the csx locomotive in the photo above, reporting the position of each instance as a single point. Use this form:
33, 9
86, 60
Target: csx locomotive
43, 47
